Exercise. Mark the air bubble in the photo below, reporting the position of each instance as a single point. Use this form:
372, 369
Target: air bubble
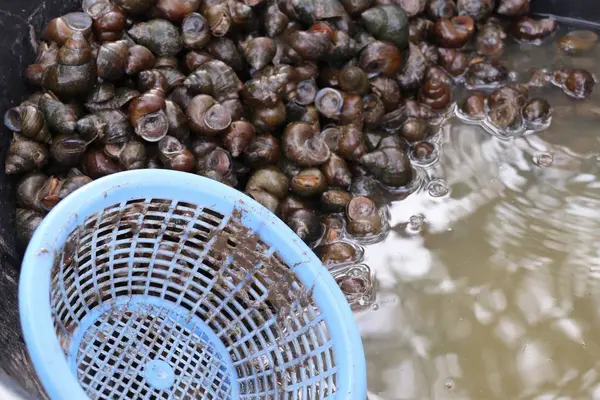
438, 188
543, 159
375, 306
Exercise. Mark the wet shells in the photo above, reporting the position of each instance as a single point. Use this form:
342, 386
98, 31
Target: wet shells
206, 116
477, 9
474, 106
424, 152
414, 130
61, 29
26, 222
131, 155
176, 10
97, 164
335, 200
195, 31
270, 180
388, 23
414, 71
390, 165
140, 59
309, 182
441, 9
25, 155
147, 115
275, 20
352, 111
310, 45
531, 30
455, 32
152, 79
577, 83
387, 90
135, 6
302, 145
238, 137
266, 119
505, 105
513, 8
486, 73
490, 39
338, 253
225, 49
28, 188
174, 155
336, 172
160, 36
578, 42
67, 150
353, 79
373, 109
305, 224
537, 112
259, 52
29, 121
453, 61
363, 218
380, 58
112, 60
329, 102
436, 94
109, 21
263, 150
354, 7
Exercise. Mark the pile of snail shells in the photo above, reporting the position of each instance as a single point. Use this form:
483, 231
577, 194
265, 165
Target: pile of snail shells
311, 107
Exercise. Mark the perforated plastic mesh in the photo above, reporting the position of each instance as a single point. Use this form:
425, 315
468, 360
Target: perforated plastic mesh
155, 279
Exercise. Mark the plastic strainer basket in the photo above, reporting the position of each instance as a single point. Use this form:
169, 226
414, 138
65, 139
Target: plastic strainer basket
165, 285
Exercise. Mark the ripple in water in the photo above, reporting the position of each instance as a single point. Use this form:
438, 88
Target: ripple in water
543, 159
438, 188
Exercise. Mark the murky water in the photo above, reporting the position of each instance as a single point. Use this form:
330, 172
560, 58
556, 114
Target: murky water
488, 284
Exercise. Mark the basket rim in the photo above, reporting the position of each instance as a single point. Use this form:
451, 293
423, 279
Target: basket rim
34, 284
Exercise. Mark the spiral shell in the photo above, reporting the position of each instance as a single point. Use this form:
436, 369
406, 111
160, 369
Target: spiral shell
147, 115
25, 155
206, 116
28, 120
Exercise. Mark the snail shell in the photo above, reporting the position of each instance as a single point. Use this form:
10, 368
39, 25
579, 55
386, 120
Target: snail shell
147, 115
28, 120
25, 155
303, 146
174, 155
206, 116
159, 36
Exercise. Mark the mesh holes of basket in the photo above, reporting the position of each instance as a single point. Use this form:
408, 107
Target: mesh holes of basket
160, 283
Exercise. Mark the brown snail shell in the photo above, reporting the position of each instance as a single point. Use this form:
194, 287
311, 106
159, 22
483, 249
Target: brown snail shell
490, 39
305, 92
576, 83
263, 150
159, 36
59, 117
329, 102
578, 42
474, 105
74, 74
259, 52
47, 56
477, 9
387, 90
218, 16
61, 29
485, 73
118, 99
352, 79
346, 140
194, 59
414, 70
264, 91
28, 189
336, 172
270, 180
238, 137
67, 150
176, 10
275, 20
109, 20
390, 165
152, 79
380, 58
310, 45
214, 77
235, 108
388, 23
363, 218
225, 49
453, 61
28, 120
513, 8
206, 116
266, 119
436, 94
131, 154
420, 29
537, 111
505, 105
195, 31
135, 6
112, 60
303, 146
414, 130
335, 200
441, 9
290, 204
25, 155
305, 223
147, 115
309, 182
174, 155
266, 199
352, 110
75, 180
455, 32
529, 29
373, 109
178, 123
336, 253
108, 126
48, 194
97, 164
26, 222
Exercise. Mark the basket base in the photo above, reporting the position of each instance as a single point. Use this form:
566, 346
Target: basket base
141, 347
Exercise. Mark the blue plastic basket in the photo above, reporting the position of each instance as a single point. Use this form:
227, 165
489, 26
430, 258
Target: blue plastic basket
157, 284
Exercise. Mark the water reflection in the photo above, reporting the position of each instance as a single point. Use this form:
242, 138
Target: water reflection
497, 290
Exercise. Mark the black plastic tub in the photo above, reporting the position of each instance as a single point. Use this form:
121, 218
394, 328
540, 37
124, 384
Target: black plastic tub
20, 21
